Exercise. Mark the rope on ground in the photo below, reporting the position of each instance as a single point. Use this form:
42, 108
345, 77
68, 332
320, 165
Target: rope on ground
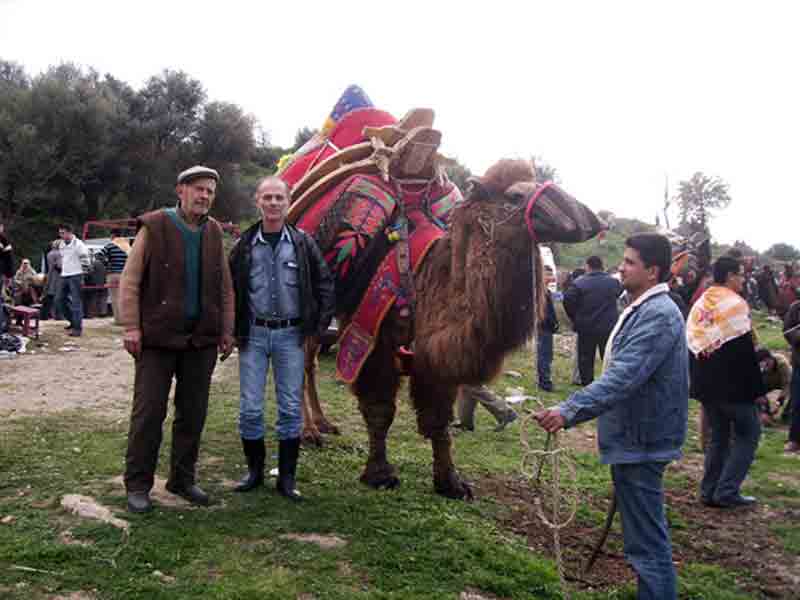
556, 466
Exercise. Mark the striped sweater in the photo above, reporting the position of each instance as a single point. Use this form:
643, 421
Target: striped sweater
115, 257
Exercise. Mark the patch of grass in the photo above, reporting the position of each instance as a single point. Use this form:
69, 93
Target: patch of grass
707, 582
405, 543
769, 331
790, 536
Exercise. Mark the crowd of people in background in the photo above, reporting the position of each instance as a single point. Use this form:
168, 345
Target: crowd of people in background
73, 284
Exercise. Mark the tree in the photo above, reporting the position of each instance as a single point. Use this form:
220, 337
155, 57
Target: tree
458, 173
76, 145
699, 197
302, 136
783, 252
544, 170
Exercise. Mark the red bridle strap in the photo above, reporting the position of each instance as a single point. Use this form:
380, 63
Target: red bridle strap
531, 203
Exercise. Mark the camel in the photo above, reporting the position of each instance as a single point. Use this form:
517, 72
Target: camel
477, 292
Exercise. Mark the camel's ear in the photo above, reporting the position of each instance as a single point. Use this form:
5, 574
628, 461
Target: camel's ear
518, 191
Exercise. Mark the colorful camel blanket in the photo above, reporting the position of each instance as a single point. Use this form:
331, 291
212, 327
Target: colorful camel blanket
719, 316
385, 289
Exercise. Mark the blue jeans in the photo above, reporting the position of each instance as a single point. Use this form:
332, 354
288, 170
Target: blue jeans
726, 467
794, 429
72, 306
285, 348
544, 357
640, 500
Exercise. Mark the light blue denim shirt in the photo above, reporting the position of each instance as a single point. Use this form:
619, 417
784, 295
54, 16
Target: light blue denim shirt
274, 288
642, 398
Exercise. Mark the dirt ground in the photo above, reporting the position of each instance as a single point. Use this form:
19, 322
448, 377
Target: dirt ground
739, 540
64, 373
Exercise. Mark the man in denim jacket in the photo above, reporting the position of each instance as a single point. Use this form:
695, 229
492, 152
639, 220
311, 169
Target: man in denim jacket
641, 402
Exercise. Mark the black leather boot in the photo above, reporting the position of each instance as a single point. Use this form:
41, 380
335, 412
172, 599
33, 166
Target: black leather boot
255, 452
288, 451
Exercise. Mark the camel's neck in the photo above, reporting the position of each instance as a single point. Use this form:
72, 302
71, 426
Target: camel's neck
498, 280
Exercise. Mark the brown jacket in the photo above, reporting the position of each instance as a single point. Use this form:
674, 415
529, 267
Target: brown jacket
152, 296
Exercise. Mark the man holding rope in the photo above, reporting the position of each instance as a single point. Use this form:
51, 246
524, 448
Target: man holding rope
641, 400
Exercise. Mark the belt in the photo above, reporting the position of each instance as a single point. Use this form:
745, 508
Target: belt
277, 323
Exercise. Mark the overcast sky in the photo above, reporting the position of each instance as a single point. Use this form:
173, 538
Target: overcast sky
617, 96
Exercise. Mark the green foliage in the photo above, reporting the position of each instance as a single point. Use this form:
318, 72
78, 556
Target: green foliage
609, 247
302, 136
783, 252
75, 145
699, 197
459, 174
544, 170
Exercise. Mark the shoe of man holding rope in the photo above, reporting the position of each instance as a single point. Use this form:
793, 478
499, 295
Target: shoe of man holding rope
641, 401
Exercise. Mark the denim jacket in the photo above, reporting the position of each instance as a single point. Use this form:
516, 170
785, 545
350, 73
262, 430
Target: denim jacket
642, 398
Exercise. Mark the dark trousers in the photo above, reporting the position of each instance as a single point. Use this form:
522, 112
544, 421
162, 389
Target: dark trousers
794, 429
192, 369
588, 345
49, 310
728, 458
71, 303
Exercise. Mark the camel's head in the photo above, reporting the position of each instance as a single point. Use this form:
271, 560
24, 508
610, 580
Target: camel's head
509, 195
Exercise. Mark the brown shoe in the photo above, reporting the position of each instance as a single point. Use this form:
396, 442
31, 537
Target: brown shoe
792, 447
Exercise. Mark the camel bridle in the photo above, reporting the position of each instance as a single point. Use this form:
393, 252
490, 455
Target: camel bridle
488, 225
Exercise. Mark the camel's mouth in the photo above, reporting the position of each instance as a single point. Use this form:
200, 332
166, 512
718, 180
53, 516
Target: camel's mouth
552, 215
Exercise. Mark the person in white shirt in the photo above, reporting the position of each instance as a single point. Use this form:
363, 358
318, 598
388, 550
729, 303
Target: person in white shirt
74, 260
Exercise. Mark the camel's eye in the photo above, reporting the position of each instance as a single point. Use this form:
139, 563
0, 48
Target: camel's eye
515, 197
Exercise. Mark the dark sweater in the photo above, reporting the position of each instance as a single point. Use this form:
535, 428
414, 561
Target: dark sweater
729, 375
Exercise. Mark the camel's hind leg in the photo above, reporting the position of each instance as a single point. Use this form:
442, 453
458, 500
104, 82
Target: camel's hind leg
376, 389
433, 402
314, 421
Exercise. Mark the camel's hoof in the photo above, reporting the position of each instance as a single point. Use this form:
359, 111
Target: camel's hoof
455, 489
311, 437
383, 478
328, 428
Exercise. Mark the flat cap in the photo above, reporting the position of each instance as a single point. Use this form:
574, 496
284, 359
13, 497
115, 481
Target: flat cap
196, 172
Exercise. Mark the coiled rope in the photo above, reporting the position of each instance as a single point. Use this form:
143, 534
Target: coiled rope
552, 474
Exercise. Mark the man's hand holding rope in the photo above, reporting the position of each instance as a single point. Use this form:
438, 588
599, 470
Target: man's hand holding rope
550, 420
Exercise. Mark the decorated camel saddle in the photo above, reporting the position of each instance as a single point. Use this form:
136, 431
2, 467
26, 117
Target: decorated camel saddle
373, 193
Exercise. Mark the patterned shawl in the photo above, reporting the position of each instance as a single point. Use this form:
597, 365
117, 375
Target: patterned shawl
719, 316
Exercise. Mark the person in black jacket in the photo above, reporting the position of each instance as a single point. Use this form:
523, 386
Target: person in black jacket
284, 293
591, 305
726, 378
791, 331
544, 344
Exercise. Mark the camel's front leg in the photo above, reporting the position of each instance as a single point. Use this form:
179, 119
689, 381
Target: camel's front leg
434, 405
376, 389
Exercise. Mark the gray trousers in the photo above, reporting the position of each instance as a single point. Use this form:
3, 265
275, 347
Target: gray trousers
468, 398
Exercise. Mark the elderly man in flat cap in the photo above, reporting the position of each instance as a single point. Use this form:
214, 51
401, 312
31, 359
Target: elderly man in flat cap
177, 308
